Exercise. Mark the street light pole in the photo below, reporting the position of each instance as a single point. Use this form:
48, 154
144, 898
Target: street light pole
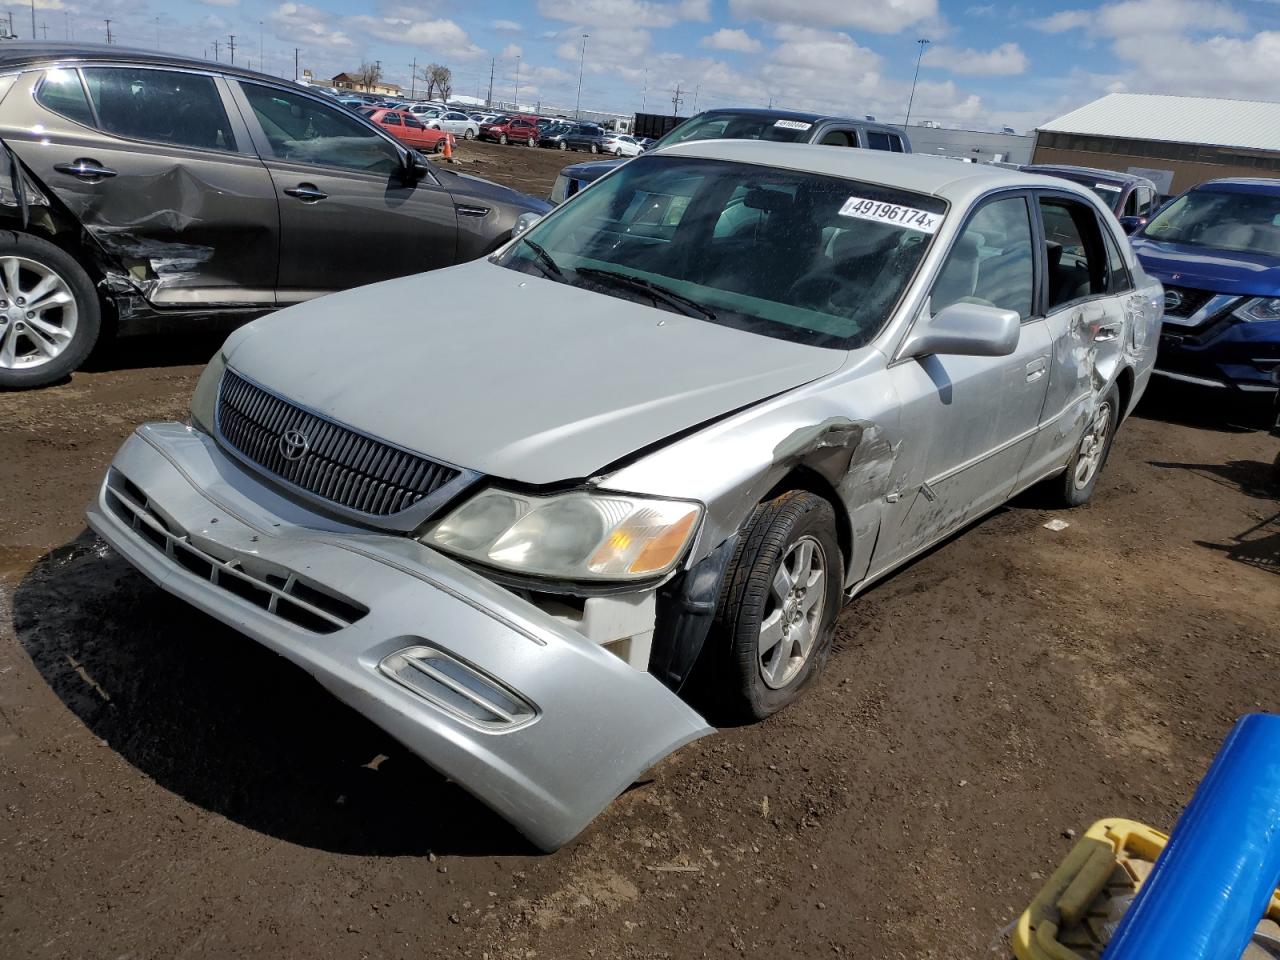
920, 56
582, 58
516, 98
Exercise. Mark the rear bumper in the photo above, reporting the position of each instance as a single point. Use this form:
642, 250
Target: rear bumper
533, 719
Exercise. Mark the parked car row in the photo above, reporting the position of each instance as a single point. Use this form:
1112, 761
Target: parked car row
158, 189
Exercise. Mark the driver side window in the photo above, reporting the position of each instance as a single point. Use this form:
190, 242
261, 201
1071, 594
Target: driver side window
990, 262
306, 131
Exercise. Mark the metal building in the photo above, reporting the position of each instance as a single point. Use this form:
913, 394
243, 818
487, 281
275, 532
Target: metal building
979, 146
1177, 142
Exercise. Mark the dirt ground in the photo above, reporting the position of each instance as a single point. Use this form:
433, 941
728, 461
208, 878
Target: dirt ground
170, 789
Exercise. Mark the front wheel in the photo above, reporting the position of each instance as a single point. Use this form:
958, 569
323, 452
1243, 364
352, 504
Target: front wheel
503, 139
563, 145
468, 134
533, 141
49, 312
1076, 486
776, 616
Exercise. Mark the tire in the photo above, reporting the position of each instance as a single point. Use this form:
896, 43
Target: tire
594, 148
533, 141
39, 261
563, 145
468, 134
1071, 489
746, 682
617, 152
502, 139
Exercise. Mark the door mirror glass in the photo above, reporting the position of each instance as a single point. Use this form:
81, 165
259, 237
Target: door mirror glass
524, 222
965, 329
416, 166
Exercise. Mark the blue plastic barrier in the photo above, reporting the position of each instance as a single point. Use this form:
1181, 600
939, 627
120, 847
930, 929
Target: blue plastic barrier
1212, 884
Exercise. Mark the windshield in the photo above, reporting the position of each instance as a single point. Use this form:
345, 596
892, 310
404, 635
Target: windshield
1109, 192
739, 126
787, 254
1224, 220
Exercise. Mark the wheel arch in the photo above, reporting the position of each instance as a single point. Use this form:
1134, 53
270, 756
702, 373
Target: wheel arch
1125, 380
804, 477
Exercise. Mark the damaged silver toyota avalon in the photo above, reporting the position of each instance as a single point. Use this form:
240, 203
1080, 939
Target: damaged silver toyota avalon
691, 412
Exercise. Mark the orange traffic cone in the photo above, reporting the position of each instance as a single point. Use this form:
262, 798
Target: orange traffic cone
448, 148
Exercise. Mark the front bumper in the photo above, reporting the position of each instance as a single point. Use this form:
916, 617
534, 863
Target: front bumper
532, 718
1221, 352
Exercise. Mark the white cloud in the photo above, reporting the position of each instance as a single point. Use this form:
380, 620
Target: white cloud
736, 40
444, 36
878, 16
1145, 18
1218, 67
511, 51
303, 22
1064, 20
207, 3
636, 13
1006, 60
507, 26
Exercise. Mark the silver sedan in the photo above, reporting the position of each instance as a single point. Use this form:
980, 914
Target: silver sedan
696, 409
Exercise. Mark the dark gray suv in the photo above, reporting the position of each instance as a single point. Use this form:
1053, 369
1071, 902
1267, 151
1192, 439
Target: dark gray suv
139, 190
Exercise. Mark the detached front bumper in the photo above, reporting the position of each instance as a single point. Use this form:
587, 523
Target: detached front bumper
532, 718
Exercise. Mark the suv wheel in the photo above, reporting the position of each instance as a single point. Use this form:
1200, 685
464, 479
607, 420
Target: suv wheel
49, 312
502, 139
778, 607
594, 148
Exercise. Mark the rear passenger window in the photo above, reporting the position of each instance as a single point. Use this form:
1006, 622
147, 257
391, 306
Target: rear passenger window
878, 141
391, 119
1074, 252
1118, 279
839, 138
62, 92
160, 105
991, 262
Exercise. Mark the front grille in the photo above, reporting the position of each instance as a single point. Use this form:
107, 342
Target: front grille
1184, 301
280, 592
332, 462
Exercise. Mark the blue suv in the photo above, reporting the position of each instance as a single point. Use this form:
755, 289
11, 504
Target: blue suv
1216, 249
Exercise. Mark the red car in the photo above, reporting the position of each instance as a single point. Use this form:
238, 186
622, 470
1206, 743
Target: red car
408, 129
517, 129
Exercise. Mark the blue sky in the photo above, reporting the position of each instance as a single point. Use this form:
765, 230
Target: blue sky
988, 63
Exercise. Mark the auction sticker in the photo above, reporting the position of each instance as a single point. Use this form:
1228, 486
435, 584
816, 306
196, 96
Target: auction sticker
792, 124
893, 213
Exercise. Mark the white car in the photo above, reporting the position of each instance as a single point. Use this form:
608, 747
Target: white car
455, 122
621, 145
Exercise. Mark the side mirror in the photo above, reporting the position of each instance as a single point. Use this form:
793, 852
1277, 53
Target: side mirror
965, 329
1133, 224
416, 166
524, 222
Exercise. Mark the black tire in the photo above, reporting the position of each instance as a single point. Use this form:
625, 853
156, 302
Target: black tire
468, 134
563, 145
733, 672
594, 148
502, 139
533, 141
617, 151
1066, 489
88, 324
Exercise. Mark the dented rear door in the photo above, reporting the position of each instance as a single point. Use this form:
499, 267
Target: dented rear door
159, 172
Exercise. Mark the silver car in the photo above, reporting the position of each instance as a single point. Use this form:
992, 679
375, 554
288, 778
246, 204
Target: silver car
697, 409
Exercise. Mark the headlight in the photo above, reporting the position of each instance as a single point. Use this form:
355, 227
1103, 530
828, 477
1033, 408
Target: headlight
204, 401
1259, 309
570, 536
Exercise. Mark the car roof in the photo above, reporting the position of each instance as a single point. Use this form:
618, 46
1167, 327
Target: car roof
906, 171
770, 113
14, 55
1096, 173
1243, 185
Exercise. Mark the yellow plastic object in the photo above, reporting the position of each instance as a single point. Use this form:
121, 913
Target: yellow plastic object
1079, 907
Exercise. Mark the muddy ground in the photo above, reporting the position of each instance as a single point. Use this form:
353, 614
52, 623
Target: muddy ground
169, 789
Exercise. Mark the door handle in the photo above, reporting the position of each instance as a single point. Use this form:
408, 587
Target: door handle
85, 169
306, 192
1036, 368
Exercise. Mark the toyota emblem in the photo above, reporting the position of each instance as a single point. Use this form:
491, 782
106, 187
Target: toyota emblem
293, 444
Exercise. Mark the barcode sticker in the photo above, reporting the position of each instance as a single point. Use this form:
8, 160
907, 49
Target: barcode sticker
792, 124
893, 213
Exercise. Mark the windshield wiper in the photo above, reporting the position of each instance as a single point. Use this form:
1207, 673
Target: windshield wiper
686, 306
549, 265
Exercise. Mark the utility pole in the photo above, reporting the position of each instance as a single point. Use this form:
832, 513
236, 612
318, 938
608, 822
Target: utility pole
215, 51
261, 58
157, 20
295, 64
920, 56
488, 101
232, 46
517, 96
582, 58
676, 100
696, 91
108, 23
33, 19
44, 28
644, 94
66, 22
413, 79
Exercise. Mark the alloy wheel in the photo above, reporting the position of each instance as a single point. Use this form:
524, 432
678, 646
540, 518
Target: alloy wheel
1092, 446
797, 597
37, 314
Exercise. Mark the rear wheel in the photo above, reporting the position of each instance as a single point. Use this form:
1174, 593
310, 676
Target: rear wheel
1075, 487
468, 134
563, 145
594, 148
776, 617
533, 141
502, 139
617, 151
49, 312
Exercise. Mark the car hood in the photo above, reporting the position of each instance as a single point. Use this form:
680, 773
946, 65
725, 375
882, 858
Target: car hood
465, 185
512, 375
590, 171
1203, 268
